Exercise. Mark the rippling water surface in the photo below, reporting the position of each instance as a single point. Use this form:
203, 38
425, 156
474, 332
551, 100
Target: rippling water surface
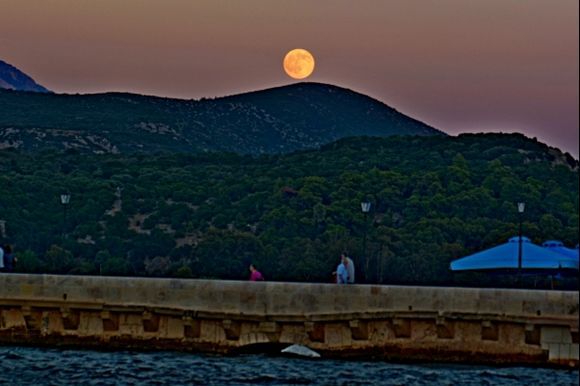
41, 366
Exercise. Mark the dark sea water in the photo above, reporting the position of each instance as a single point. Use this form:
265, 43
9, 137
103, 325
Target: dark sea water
41, 366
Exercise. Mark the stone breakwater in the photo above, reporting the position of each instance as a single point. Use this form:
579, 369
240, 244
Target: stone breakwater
468, 325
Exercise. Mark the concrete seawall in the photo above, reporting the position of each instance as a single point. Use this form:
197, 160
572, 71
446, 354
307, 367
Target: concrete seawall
390, 322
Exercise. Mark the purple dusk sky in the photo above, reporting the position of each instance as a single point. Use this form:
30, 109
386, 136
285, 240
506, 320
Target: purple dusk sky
461, 66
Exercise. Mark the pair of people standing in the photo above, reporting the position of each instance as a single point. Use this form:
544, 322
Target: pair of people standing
345, 270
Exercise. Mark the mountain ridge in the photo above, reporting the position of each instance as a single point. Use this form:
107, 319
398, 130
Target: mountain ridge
275, 120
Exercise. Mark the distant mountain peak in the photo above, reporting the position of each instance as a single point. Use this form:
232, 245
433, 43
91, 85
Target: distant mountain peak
11, 78
315, 93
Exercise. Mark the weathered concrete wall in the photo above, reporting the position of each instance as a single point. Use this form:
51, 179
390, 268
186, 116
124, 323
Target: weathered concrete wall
423, 323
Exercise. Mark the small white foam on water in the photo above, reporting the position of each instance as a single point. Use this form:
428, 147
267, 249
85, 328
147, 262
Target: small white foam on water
300, 350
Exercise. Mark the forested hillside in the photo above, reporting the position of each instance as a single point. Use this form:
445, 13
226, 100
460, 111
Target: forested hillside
433, 199
276, 120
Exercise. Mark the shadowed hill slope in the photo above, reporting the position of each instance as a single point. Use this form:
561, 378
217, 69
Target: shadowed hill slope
277, 120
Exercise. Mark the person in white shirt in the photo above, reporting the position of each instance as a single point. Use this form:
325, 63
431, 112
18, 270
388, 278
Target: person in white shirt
349, 264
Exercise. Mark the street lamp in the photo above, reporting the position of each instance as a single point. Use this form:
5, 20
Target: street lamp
521, 208
64, 200
365, 207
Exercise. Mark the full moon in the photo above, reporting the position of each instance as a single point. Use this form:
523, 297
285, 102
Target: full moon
298, 63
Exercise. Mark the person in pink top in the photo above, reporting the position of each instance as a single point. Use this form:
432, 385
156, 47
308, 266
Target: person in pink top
255, 275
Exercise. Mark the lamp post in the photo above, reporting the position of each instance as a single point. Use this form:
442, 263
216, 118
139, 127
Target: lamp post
521, 208
64, 200
365, 207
